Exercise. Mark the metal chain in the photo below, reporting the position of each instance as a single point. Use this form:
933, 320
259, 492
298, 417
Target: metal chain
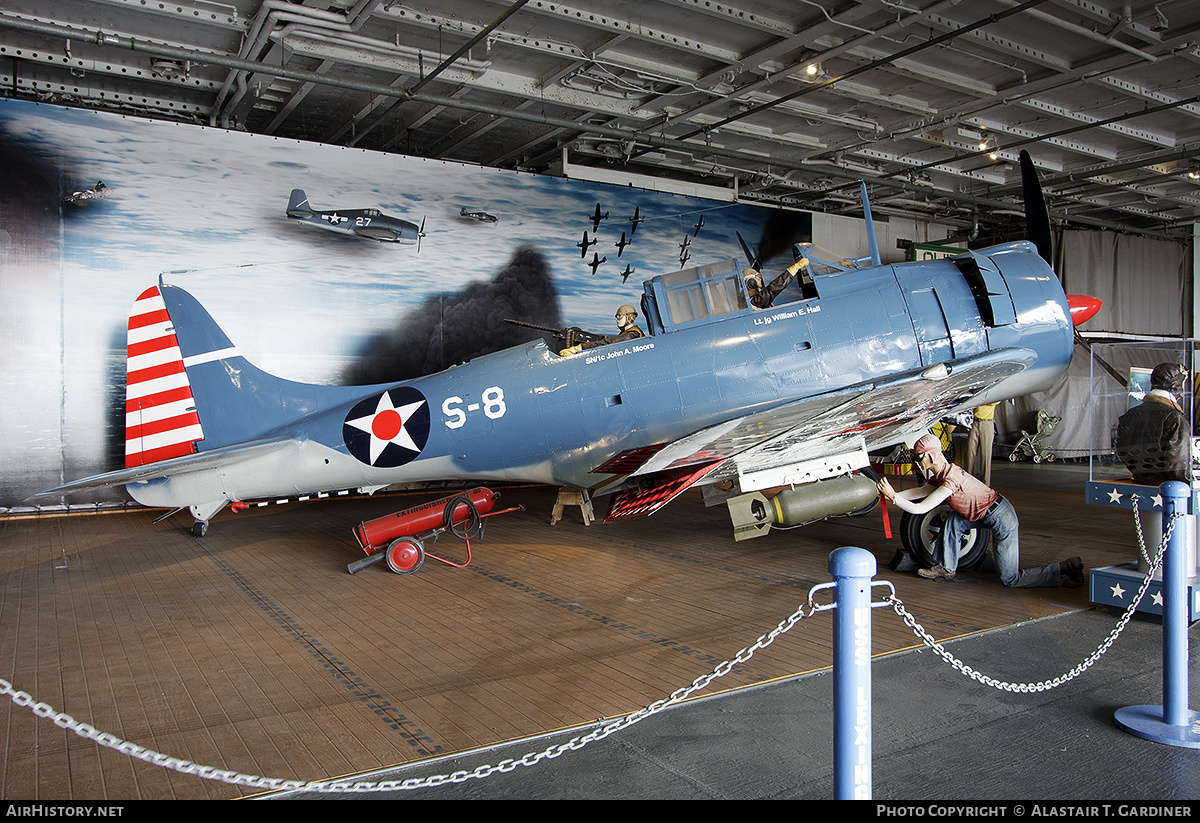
65, 721
1137, 524
1045, 685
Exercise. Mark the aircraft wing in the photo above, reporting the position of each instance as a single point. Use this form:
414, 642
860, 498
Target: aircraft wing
169, 468
868, 415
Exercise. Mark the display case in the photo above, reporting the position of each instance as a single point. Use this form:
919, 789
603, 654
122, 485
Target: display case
1135, 449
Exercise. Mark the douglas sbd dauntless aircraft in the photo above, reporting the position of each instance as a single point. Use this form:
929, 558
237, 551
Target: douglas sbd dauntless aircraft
796, 393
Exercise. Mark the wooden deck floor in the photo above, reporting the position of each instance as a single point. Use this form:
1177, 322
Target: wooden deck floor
253, 650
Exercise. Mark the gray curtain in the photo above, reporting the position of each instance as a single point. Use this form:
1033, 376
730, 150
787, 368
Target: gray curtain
1146, 284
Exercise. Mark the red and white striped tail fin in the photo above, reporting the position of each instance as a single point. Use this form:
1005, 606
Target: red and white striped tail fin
160, 412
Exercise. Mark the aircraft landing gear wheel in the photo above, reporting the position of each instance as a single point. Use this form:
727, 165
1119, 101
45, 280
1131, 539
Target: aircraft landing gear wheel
919, 534
405, 556
199, 528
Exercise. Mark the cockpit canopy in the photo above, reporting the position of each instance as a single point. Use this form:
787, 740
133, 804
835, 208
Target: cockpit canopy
700, 293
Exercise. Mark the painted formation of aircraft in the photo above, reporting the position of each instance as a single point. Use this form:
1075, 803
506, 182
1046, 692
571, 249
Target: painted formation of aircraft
369, 223
717, 391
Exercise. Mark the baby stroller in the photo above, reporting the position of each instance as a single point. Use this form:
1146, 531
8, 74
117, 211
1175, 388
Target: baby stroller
1030, 445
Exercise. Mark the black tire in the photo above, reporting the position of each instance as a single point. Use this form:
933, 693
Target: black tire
405, 555
918, 534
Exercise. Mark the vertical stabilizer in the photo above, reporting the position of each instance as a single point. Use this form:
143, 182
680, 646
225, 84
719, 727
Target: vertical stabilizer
298, 204
160, 412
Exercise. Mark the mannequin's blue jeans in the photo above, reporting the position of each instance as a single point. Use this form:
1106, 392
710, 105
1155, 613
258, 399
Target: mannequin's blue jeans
1001, 521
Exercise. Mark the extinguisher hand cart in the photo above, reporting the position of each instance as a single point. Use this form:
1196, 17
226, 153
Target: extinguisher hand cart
401, 538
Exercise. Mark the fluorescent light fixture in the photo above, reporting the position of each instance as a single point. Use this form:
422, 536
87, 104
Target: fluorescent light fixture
644, 181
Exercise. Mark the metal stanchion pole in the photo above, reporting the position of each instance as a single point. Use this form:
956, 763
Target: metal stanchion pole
852, 570
1171, 723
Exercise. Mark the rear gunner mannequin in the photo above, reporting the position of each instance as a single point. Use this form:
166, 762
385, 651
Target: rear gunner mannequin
973, 505
626, 322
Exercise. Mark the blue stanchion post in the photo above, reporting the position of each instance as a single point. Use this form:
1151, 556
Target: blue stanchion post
1171, 723
852, 570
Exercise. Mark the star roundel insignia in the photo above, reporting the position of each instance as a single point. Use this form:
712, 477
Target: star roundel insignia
388, 430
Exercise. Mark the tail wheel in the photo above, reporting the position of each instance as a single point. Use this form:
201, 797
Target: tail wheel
919, 533
405, 556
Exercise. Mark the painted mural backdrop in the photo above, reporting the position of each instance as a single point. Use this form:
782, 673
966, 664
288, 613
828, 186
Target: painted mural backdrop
206, 209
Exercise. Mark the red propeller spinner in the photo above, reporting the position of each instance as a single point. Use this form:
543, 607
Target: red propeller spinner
1083, 307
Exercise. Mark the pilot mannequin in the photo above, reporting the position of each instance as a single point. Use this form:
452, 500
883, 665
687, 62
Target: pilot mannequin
626, 323
762, 298
1153, 438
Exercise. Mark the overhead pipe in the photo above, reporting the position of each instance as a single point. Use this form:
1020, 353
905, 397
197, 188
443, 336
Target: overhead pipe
479, 35
270, 14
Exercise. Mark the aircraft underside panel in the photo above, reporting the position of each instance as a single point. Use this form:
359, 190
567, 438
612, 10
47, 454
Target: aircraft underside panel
868, 416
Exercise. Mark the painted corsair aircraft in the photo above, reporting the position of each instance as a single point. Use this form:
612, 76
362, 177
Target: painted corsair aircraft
369, 223
717, 390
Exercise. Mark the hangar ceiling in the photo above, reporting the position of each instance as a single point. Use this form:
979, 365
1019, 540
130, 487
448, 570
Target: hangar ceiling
789, 101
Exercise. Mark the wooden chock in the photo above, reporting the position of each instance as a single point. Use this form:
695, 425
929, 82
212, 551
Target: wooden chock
571, 496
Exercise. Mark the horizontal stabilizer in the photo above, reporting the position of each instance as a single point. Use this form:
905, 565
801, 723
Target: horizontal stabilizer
168, 468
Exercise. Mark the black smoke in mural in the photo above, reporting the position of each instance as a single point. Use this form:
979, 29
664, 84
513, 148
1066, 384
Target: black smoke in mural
453, 328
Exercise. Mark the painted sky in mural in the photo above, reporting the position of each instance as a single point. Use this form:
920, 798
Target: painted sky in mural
206, 209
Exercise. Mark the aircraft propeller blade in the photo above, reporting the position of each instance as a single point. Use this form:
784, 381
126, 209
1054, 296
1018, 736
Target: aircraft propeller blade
1037, 229
751, 257
420, 234
1037, 217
